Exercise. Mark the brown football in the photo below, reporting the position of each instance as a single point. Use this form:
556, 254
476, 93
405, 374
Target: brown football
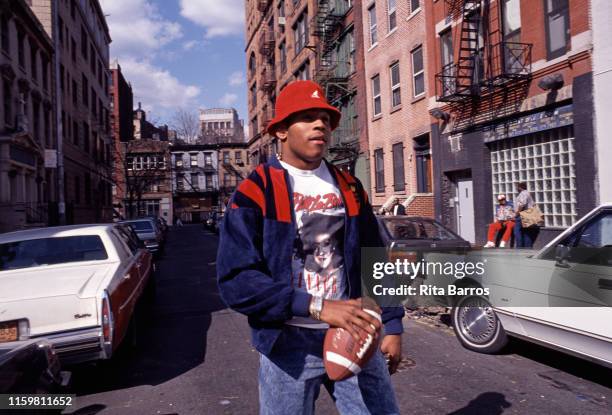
343, 356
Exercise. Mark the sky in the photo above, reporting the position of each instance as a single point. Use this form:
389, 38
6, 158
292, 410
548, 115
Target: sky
180, 53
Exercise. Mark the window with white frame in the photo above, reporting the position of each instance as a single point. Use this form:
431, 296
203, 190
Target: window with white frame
546, 162
193, 158
373, 25
208, 159
392, 14
418, 72
394, 75
415, 5
377, 107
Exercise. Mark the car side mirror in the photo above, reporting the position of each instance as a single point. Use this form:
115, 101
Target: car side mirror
561, 254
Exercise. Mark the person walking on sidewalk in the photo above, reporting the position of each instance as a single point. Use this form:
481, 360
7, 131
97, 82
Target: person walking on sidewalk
523, 237
398, 209
504, 220
289, 255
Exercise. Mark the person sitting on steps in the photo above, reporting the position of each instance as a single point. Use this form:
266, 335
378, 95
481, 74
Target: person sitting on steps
504, 220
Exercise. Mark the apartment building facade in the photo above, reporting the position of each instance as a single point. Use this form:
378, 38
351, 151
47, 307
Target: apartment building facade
398, 120
511, 101
220, 125
83, 38
28, 195
317, 40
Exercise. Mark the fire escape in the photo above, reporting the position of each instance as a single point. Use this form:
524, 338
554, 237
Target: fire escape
482, 66
333, 71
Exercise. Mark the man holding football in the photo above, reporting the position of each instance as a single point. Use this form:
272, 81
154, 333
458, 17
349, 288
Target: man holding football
269, 243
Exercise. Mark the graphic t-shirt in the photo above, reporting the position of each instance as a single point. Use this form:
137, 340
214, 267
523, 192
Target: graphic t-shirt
318, 249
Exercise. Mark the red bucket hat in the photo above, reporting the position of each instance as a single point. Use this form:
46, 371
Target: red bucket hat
299, 96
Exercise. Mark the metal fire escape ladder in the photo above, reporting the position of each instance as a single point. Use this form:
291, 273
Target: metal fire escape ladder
469, 55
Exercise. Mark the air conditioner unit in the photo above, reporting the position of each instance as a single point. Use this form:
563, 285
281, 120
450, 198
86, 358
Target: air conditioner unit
282, 21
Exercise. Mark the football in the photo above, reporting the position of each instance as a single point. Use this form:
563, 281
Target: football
343, 356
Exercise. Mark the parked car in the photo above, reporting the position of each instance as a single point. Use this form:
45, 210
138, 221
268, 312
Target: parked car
148, 231
559, 296
76, 286
411, 236
32, 368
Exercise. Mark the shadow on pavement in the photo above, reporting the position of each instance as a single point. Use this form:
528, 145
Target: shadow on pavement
489, 403
171, 337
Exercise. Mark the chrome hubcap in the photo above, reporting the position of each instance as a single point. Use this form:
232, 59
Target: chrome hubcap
477, 321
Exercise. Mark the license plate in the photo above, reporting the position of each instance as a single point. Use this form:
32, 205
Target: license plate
8, 331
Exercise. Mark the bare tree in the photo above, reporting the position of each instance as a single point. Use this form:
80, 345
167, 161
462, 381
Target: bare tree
186, 124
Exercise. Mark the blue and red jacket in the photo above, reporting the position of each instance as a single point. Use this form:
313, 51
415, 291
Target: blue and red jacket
256, 246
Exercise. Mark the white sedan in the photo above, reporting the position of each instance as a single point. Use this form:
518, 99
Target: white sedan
559, 296
77, 286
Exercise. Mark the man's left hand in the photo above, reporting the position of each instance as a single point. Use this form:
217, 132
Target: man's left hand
391, 346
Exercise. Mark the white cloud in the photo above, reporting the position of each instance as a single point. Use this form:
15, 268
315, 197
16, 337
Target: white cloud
219, 18
190, 44
157, 87
137, 28
228, 99
236, 78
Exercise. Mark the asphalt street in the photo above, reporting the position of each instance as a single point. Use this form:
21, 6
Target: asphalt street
194, 356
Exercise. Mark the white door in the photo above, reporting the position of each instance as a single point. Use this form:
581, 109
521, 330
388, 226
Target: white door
465, 210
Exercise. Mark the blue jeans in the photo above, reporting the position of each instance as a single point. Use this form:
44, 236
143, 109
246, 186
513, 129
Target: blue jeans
291, 377
524, 237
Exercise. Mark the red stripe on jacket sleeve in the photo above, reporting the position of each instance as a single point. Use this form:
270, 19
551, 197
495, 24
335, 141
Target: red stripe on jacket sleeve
250, 189
281, 195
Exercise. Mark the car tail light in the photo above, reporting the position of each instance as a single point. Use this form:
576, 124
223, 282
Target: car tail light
107, 319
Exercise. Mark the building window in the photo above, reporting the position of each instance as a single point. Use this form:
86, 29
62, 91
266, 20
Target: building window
376, 95
195, 182
34, 63
422, 152
86, 137
227, 179
352, 51
418, 72
546, 162
238, 156
45, 72
84, 42
21, 48
208, 159
282, 51
254, 95
7, 101
373, 26
415, 5
209, 182
300, 32
399, 182
4, 34
75, 133
396, 95
303, 73
511, 10
226, 157
379, 170
74, 93
87, 189
557, 28
84, 90
254, 126
392, 14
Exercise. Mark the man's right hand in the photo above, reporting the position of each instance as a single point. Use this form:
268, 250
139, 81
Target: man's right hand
349, 315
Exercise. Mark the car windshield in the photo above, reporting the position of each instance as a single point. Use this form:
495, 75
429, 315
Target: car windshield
404, 228
142, 226
49, 251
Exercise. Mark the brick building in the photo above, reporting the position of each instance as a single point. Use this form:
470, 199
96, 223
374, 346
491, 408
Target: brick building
28, 195
308, 39
83, 38
398, 119
122, 131
512, 101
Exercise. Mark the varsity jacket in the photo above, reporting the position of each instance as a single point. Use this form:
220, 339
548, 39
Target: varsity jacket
256, 246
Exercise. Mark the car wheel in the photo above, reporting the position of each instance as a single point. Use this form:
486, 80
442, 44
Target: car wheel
477, 326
